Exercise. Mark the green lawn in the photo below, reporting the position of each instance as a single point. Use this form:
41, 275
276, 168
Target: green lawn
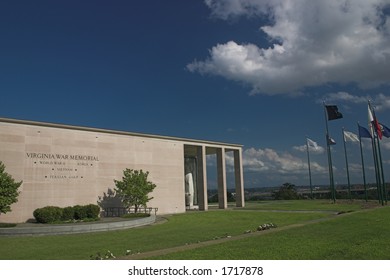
194, 227
359, 235
316, 205
179, 230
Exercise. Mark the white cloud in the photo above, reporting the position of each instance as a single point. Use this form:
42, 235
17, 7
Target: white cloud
345, 96
315, 150
385, 143
313, 147
232, 8
382, 102
270, 161
312, 43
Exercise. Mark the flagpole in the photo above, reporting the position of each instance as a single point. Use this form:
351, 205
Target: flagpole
384, 195
330, 166
308, 162
377, 170
361, 155
374, 141
346, 164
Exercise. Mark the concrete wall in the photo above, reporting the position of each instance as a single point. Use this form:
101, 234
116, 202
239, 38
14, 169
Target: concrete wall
65, 167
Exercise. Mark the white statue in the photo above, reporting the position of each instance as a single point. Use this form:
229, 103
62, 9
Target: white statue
189, 190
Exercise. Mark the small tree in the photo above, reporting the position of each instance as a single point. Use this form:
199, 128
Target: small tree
8, 190
134, 188
287, 191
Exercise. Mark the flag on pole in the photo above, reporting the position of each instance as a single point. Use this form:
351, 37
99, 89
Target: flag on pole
373, 122
333, 112
310, 143
376, 132
313, 145
331, 141
363, 132
349, 136
385, 130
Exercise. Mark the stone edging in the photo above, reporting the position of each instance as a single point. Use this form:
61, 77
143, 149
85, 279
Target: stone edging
77, 228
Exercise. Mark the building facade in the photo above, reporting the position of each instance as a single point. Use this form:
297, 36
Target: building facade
62, 165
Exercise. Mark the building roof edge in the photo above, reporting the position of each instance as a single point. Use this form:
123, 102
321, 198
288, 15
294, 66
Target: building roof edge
118, 132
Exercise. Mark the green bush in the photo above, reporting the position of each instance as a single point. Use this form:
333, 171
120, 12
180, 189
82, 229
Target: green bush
48, 214
7, 225
80, 212
135, 215
52, 214
67, 213
92, 211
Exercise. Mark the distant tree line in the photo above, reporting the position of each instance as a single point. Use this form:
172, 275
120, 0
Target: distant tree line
289, 191
214, 198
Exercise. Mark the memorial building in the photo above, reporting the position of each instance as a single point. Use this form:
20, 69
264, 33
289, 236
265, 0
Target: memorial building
62, 165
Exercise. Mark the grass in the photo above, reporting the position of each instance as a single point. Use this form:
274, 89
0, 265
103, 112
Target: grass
360, 235
194, 227
179, 230
310, 205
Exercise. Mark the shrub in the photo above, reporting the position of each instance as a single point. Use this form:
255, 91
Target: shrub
135, 215
92, 211
80, 212
7, 225
67, 213
48, 214
51, 214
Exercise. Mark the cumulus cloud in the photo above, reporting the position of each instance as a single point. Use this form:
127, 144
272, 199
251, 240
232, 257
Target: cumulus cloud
271, 161
313, 147
386, 144
226, 9
311, 43
380, 101
345, 96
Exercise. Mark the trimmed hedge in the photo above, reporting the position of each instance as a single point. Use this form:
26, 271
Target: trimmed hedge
80, 212
53, 214
48, 214
92, 210
68, 213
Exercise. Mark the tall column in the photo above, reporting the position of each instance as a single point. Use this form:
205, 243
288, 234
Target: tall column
239, 178
202, 178
221, 170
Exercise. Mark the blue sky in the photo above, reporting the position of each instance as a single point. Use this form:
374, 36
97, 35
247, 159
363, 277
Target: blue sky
250, 72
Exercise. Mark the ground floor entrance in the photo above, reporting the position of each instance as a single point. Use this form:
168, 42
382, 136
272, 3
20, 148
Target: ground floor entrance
195, 170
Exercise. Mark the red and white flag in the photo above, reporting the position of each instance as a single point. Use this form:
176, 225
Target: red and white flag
373, 123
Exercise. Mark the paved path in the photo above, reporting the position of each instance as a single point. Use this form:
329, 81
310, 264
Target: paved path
161, 252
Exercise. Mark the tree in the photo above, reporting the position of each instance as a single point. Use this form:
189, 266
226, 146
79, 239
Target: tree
286, 191
8, 190
134, 188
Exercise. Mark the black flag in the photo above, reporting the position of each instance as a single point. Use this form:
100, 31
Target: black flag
333, 112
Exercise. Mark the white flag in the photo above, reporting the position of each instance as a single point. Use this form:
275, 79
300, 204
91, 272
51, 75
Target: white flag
313, 146
349, 136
